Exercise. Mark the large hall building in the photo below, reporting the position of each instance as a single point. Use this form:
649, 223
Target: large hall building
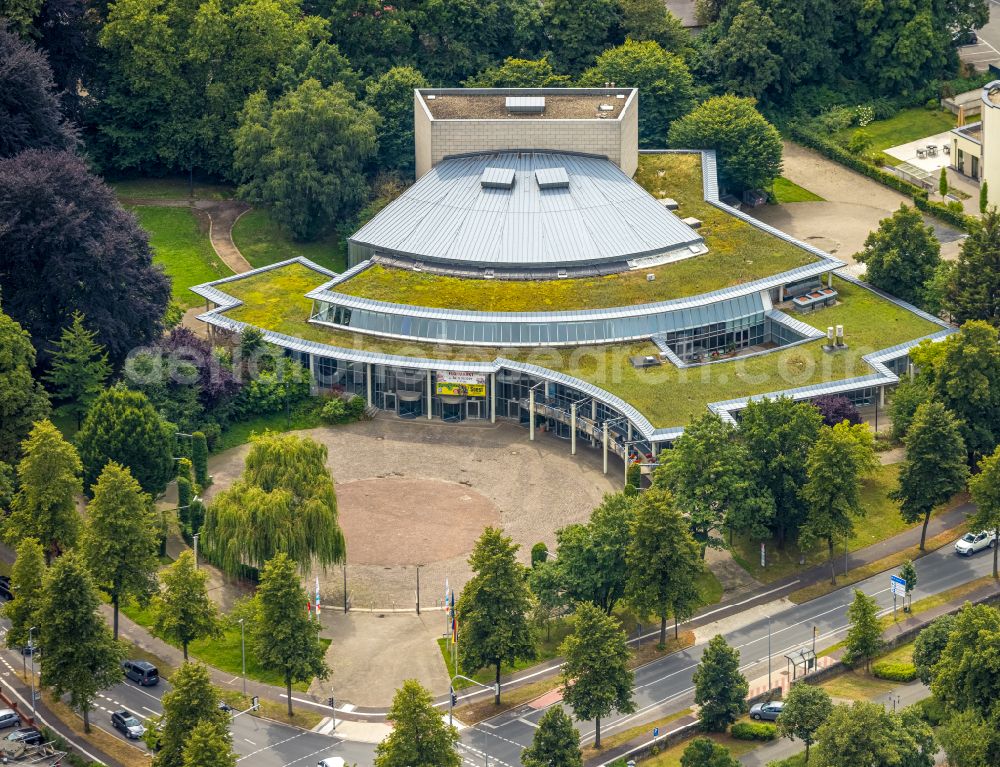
545, 271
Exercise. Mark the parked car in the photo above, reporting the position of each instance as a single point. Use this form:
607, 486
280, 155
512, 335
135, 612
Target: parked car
9, 718
968, 37
331, 761
31, 736
127, 724
970, 543
32, 648
769, 711
5, 591
141, 672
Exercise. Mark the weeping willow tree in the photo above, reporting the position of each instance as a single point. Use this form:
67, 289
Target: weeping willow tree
284, 502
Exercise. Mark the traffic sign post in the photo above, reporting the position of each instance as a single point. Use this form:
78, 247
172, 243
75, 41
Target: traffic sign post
898, 587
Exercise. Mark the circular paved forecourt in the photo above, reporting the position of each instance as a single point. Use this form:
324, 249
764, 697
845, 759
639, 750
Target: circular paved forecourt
421, 492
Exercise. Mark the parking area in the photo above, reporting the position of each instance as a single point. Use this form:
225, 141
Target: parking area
987, 50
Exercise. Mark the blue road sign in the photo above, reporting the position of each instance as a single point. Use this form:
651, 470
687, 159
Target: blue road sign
656, 732
897, 579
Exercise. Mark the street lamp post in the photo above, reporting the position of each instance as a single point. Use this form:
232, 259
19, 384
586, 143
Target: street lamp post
243, 657
769, 688
453, 698
31, 645
195, 537
418, 589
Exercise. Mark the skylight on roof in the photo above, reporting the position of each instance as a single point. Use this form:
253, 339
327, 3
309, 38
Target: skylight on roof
497, 178
552, 178
525, 104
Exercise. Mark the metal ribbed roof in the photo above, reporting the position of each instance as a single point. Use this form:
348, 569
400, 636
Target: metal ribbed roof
602, 215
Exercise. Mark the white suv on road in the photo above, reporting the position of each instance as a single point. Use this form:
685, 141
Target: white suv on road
970, 543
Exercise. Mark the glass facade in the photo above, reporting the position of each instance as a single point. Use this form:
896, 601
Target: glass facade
716, 325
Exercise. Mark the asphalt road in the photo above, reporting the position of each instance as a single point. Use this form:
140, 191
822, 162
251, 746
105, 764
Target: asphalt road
665, 684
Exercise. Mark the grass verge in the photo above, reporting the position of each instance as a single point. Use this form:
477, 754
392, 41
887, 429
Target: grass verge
904, 126
170, 188
785, 191
857, 685
616, 739
181, 245
262, 241
119, 750
671, 757
223, 653
274, 710
878, 566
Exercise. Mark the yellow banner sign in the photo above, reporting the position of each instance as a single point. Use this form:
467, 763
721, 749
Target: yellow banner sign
460, 384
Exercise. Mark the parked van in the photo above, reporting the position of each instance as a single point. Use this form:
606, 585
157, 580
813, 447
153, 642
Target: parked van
141, 672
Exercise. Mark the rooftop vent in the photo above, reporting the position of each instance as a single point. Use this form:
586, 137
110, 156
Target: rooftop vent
526, 104
497, 178
607, 107
552, 178
431, 96
620, 96
691, 221
562, 274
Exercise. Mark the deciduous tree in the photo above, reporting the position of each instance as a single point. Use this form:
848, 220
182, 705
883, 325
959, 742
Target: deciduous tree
836, 408
662, 78
864, 637
303, 154
934, 468
69, 245
419, 737
191, 702
79, 368
120, 538
907, 397
22, 399
44, 507
391, 96
81, 658
806, 708
184, 612
705, 752
590, 559
901, 255
284, 637
969, 740
778, 434
663, 562
596, 677
556, 742
519, 73
711, 477
577, 31
720, 690
651, 20
492, 611
865, 733
841, 458
747, 145
974, 293
29, 108
283, 502
985, 490
123, 426
745, 56
209, 745
929, 645
26, 577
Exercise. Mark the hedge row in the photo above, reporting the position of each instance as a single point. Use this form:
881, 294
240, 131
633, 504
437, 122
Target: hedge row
753, 731
895, 672
838, 154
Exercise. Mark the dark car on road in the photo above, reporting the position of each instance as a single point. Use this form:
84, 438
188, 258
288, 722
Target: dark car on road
141, 672
31, 736
6, 593
127, 724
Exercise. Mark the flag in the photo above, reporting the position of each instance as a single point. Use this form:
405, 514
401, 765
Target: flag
454, 620
447, 607
317, 596
309, 606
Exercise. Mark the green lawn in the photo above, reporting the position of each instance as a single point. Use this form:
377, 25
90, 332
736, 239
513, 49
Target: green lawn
788, 191
881, 521
671, 757
263, 242
665, 394
304, 416
903, 127
180, 243
170, 188
223, 653
738, 253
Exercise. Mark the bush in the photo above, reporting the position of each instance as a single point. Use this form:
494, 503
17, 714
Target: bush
950, 214
933, 711
356, 407
539, 553
753, 731
895, 672
199, 459
334, 411
212, 432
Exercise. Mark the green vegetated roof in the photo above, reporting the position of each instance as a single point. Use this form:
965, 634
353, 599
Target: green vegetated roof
738, 253
666, 395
